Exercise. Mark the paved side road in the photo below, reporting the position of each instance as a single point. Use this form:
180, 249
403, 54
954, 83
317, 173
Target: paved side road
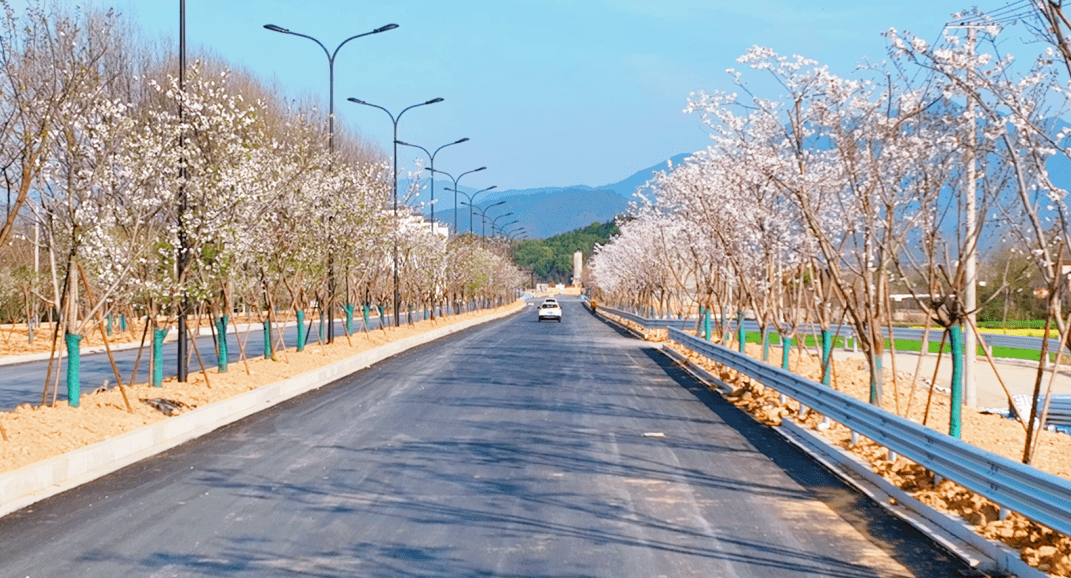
513, 449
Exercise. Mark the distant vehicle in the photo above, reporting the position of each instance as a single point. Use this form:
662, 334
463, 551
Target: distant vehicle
550, 310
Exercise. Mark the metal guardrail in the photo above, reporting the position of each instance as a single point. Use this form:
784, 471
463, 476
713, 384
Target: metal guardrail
1037, 495
1059, 409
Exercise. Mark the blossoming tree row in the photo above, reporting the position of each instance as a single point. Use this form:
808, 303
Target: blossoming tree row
111, 168
821, 195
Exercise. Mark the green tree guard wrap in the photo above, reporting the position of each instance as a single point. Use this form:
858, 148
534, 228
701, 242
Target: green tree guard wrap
706, 324
74, 367
366, 321
321, 328
122, 323
158, 357
425, 314
875, 384
955, 419
221, 344
382, 320
786, 347
766, 343
109, 324
348, 308
827, 356
740, 337
267, 340
300, 330
721, 320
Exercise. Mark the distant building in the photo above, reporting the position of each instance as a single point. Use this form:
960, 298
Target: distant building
578, 267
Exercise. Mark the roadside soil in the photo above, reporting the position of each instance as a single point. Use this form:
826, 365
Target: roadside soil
1039, 546
30, 434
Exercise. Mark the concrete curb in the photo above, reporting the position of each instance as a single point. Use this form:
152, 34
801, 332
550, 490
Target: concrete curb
33, 483
952, 533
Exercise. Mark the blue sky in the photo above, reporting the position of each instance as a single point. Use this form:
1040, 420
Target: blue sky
551, 92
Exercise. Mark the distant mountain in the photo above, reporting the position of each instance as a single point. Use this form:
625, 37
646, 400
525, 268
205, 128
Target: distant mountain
544, 214
627, 187
544, 211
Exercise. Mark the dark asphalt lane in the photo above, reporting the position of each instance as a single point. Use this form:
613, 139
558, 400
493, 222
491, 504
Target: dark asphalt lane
513, 449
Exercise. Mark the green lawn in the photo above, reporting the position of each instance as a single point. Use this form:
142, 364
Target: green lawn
908, 345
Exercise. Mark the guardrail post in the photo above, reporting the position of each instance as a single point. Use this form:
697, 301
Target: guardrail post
854, 438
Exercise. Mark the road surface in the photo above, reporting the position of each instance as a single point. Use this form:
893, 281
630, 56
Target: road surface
513, 449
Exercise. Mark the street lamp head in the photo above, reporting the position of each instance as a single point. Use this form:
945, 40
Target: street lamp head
385, 28
434, 100
356, 100
479, 169
275, 28
403, 143
496, 204
492, 187
459, 141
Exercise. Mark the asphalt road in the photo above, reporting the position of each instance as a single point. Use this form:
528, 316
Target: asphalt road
513, 449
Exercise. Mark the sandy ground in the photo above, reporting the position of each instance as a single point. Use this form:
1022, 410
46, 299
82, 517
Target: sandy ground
1039, 546
29, 434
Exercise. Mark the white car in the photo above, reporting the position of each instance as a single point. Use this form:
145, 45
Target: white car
550, 310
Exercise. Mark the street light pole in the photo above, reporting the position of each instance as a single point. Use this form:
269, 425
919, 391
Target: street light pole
503, 227
394, 119
432, 156
483, 214
183, 366
471, 198
330, 147
455, 188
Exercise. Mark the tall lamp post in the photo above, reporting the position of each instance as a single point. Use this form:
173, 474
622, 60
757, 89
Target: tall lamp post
471, 198
455, 187
183, 367
483, 214
395, 119
494, 222
503, 227
432, 156
330, 146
